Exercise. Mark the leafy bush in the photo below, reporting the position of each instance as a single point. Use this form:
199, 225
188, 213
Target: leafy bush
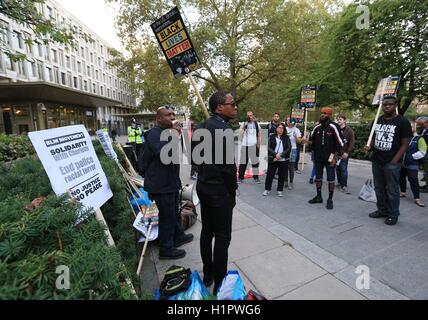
13, 147
33, 244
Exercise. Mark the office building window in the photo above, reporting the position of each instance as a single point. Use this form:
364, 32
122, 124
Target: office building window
92, 57
54, 55
31, 69
96, 74
28, 43
61, 58
67, 62
69, 79
75, 82
102, 90
40, 49
17, 40
4, 32
56, 75
80, 83
94, 88
85, 85
9, 64
79, 67
73, 63
99, 62
82, 52
63, 79
88, 69
40, 70
50, 74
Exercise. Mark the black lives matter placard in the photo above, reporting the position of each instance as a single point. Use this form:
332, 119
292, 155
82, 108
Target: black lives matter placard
308, 97
175, 42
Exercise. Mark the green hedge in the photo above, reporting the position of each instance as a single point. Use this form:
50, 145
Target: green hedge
33, 244
13, 147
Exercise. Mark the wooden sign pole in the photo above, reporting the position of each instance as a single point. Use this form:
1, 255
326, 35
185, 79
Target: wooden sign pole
369, 141
304, 136
201, 101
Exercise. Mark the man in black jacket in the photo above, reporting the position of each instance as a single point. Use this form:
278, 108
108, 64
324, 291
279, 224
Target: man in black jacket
326, 142
162, 182
216, 188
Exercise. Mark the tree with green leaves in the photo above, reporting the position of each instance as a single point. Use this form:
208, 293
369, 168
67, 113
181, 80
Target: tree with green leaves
45, 29
395, 43
242, 44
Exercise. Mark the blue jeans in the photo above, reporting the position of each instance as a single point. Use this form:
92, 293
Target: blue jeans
342, 173
387, 186
313, 173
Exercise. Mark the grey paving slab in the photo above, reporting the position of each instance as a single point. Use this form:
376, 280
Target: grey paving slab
252, 241
326, 287
279, 271
377, 291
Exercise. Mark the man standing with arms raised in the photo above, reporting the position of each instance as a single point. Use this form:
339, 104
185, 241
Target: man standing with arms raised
391, 139
216, 188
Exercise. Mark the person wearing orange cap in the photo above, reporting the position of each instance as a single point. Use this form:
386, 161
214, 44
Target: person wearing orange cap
326, 142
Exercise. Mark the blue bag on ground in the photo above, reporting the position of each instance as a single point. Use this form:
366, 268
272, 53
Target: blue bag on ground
196, 291
144, 201
232, 287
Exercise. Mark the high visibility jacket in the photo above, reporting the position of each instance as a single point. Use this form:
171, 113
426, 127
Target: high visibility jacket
134, 135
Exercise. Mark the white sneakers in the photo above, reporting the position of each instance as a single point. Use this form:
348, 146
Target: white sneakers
266, 192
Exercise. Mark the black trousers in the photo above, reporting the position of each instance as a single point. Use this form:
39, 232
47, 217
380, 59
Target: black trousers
170, 228
216, 214
281, 166
249, 153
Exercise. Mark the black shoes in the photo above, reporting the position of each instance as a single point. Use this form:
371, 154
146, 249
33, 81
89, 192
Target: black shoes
377, 214
171, 254
390, 221
185, 238
208, 280
315, 200
311, 181
329, 204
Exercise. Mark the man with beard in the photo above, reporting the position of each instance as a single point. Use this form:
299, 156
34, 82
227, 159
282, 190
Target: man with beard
326, 142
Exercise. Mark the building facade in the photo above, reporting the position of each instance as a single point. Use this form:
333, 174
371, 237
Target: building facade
59, 86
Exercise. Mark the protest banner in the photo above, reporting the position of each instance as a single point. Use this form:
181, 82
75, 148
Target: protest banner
106, 144
69, 159
178, 49
298, 114
387, 87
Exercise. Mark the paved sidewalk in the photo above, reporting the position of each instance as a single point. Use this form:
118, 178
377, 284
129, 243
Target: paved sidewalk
266, 264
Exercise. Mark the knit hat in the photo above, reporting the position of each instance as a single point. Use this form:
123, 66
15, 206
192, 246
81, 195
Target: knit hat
327, 110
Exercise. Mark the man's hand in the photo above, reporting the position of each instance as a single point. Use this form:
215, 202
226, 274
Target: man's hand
345, 156
366, 149
278, 157
177, 126
333, 162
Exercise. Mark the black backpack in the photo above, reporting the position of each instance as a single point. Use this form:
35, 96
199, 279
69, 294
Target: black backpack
176, 279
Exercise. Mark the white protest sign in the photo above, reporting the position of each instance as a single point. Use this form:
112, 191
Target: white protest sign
106, 144
69, 159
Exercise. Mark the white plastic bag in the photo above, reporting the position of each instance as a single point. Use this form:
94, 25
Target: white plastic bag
367, 192
232, 287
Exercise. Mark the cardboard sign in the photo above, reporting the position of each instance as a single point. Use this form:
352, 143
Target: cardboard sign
387, 87
298, 114
308, 97
106, 144
175, 43
69, 159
